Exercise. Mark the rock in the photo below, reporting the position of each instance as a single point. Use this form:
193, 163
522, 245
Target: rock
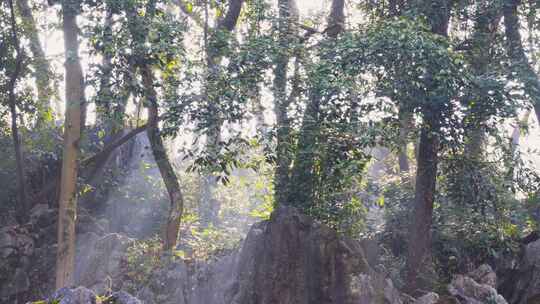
448, 300
366, 289
429, 298
79, 295
42, 216
99, 260
291, 259
469, 291
18, 283
83, 295
484, 275
168, 285
522, 286
122, 297
15, 240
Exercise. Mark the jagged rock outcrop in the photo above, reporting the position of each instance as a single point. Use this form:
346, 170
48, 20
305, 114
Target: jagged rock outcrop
429, 298
99, 260
291, 259
477, 287
28, 253
83, 295
522, 285
79, 295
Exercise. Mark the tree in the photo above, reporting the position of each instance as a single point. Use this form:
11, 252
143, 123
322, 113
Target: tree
418, 254
67, 206
23, 203
309, 140
139, 27
288, 16
217, 40
46, 90
520, 63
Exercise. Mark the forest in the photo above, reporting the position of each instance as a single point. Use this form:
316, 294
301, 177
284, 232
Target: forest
269, 152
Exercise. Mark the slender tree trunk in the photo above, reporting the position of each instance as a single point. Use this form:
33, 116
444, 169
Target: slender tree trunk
418, 254
303, 174
72, 134
45, 88
23, 207
485, 28
516, 52
419, 250
405, 127
209, 206
283, 156
165, 167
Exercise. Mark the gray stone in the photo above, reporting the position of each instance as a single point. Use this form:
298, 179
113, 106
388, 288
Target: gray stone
468, 291
122, 297
429, 298
98, 263
79, 295
522, 285
484, 275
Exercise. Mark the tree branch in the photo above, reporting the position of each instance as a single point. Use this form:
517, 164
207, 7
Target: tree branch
229, 22
114, 145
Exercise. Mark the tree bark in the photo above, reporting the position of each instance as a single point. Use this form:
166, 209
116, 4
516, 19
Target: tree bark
23, 207
72, 134
165, 167
483, 37
45, 88
422, 217
405, 122
303, 173
516, 52
419, 250
287, 17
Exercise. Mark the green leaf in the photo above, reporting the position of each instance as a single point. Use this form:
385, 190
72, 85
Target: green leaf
189, 7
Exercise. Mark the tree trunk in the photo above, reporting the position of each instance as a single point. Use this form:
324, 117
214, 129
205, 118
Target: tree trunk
419, 250
72, 134
405, 122
45, 88
23, 207
170, 234
303, 174
516, 52
420, 230
283, 156
483, 37
209, 206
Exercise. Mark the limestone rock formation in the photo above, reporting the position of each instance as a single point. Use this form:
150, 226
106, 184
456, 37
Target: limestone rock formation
522, 286
477, 287
98, 262
83, 295
291, 259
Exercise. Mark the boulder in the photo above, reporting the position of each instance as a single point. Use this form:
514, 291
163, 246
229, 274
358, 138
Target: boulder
429, 298
292, 259
79, 295
522, 285
122, 297
42, 216
467, 290
373, 289
168, 285
484, 275
99, 260
83, 295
